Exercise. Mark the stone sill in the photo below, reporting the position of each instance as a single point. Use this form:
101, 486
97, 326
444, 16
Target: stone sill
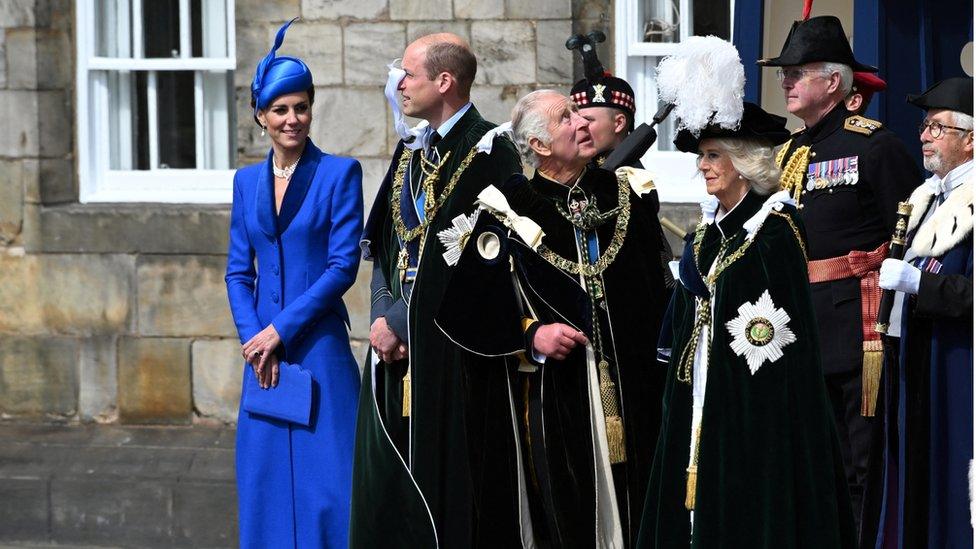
128, 228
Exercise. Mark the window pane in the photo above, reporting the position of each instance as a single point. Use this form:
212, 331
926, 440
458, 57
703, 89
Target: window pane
175, 119
125, 119
218, 120
713, 18
113, 37
209, 22
161, 28
661, 20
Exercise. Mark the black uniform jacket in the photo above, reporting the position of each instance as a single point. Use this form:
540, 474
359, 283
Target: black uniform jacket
858, 214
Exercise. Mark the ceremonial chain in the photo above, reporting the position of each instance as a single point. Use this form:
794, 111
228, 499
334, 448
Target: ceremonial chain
795, 169
431, 205
605, 260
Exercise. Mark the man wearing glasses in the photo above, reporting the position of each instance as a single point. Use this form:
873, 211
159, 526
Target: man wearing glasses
937, 330
848, 174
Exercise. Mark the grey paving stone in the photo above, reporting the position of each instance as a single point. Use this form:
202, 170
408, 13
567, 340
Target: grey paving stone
24, 509
205, 515
94, 511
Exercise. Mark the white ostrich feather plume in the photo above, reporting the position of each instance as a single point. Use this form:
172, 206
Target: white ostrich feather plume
706, 83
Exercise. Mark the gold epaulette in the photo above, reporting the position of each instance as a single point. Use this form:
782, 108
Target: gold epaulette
860, 124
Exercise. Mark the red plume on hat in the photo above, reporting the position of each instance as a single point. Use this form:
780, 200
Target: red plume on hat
807, 7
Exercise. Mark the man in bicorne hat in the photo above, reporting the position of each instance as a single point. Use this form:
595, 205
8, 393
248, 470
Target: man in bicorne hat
848, 174
934, 412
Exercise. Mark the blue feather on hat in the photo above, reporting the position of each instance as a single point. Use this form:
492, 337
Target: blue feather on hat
277, 76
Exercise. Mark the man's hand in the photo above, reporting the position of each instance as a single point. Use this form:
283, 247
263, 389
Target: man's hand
385, 343
259, 350
557, 340
899, 276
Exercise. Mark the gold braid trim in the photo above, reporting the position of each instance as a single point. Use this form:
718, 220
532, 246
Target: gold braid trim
617, 242
795, 169
796, 232
431, 204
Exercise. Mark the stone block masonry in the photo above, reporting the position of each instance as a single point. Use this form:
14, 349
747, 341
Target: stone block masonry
117, 312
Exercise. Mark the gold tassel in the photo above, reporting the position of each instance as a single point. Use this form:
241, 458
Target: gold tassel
692, 486
615, 439
406, 394
871, 376
611, 416
692, 469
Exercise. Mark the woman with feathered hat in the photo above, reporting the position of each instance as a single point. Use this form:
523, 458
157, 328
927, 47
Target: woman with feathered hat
747, 454
299, 214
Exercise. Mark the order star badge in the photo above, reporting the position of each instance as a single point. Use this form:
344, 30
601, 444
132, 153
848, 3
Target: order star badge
760, 332
455, 237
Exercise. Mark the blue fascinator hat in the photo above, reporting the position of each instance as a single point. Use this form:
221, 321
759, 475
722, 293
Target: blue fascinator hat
276, 76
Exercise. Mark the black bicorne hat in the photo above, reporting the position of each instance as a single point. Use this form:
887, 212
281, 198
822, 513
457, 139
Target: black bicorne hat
817, 40
756, 124
954, 94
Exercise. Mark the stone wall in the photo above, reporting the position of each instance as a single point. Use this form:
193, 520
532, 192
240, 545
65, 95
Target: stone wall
118, 312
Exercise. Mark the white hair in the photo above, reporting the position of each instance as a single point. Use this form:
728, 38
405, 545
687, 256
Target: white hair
754, 161
846, 75
961, 120
530, 122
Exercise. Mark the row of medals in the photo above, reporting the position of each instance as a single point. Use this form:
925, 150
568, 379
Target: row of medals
832, 173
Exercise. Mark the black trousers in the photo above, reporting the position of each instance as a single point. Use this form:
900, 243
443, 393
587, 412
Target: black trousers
859, 435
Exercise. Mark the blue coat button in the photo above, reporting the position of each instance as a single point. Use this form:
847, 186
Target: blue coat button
274, 296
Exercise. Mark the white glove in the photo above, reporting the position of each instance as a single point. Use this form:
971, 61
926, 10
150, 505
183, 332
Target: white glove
899, 276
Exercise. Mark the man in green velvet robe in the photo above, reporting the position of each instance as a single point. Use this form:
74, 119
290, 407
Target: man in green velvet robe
580, 298
435, 440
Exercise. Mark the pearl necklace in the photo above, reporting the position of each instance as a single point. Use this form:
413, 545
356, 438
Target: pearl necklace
286, 172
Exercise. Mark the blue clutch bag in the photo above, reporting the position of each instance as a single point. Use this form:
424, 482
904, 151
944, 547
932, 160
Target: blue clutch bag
290, 401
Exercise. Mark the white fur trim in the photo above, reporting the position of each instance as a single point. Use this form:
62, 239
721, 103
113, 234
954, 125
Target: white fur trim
972, 494
951, 223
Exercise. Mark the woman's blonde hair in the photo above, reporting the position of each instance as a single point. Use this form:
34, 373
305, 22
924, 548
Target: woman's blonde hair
754, 160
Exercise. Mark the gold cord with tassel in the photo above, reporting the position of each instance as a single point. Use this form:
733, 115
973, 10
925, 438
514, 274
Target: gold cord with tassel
611, 413
406, 393
692, 486
871, 376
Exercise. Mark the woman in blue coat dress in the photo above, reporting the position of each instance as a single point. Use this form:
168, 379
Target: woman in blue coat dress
299, 215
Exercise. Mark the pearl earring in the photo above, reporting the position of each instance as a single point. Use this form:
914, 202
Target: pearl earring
262, 131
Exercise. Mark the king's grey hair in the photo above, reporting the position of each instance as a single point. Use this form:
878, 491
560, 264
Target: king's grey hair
962, 120
528, 122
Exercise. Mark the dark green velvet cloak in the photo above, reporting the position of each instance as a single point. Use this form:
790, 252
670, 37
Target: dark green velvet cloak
769, 472
445, 476
553, 404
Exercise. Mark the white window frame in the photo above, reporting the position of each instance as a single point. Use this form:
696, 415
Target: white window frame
675, 174
99, 183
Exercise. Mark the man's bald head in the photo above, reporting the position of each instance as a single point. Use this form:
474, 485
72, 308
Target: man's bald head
447, 52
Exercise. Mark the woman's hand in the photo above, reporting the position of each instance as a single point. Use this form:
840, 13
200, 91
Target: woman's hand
259, 352
268, 377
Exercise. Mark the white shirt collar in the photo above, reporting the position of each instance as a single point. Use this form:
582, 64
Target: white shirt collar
448, 124
945, 185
